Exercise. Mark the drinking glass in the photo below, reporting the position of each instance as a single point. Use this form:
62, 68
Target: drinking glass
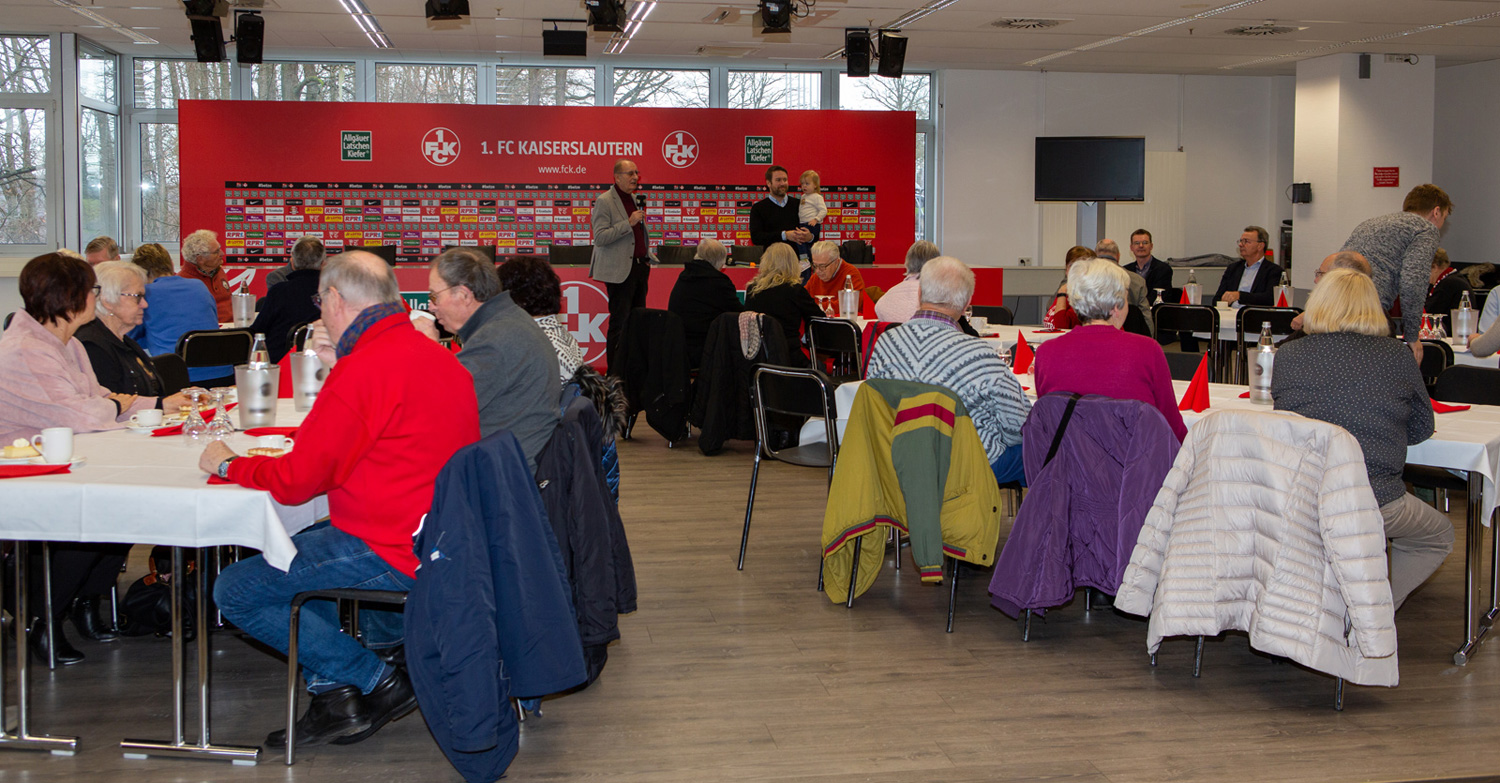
220, 428
1438, 332
195, 429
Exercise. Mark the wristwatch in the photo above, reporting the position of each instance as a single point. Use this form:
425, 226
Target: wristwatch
223, 470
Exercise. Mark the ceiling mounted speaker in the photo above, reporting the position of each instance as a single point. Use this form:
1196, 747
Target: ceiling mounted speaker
565, 43
857, 51
776, 16
892, 54
208, 40
249, 37
606, 16
439, 10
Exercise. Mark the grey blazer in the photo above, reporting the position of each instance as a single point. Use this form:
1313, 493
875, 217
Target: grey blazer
614, 239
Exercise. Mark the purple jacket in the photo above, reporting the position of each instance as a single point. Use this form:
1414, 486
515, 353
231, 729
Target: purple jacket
1083, 511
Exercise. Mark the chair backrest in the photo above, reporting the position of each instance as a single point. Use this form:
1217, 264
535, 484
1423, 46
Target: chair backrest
570, 255
857, 251
836, 339
8, 316
1248, 322
793, 391
995, 314
214, 347
1468, 385
1191, 318
1135, 322
676, 254
173, 372
1437, 356
1182, 366
744, 255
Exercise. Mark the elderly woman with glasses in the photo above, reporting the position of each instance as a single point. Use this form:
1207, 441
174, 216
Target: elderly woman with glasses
1097, 357
119, 363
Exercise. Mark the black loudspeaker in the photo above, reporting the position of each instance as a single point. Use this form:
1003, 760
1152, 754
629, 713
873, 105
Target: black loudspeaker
208, 40
857, 51
606, 16
1364, 66
776, 16
892, 54
249, 37
565, 43
447, 9
1301, 192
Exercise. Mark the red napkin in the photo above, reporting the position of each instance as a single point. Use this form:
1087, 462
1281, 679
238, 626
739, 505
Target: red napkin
23, 471
1281, 300
256, 432
161, 432
1196, 396
284, 386
1443, 407
1185, 299
212, 479
866, 307
1244, 395
1023, 355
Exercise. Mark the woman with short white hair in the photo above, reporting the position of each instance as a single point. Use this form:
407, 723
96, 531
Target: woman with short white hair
1097, 357
900, 303
120, 364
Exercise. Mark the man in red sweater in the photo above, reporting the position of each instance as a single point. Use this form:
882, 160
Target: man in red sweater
374, 443
829, 270
203, 260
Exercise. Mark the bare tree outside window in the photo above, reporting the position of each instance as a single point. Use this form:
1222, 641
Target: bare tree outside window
921, 189
25, 64
160, 84
96, 76
912, 92
396, 83
23, 176
160, 220
775, 90
661, 89
544, 86
302, 82
99, 196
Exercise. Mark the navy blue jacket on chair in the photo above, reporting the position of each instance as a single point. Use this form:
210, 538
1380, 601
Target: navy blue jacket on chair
490, 615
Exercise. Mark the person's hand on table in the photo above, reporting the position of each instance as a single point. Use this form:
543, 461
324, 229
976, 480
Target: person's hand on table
1231, 297
1297, 322
124, 401
322, 344
173, 403
215, 453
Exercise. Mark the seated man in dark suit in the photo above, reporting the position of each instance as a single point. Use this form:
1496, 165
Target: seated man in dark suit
1157, 272
287, 306
702, 293
1252, 279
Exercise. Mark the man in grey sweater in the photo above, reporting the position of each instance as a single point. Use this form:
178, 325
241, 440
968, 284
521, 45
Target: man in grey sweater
1400, 247
510, 357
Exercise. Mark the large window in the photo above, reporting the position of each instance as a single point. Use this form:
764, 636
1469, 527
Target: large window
544, 86
661, 89
99, 196
426, 83
96, 76
23, 177
913, 93
25, 64
160, 84
159, 193
302, 82
775, 90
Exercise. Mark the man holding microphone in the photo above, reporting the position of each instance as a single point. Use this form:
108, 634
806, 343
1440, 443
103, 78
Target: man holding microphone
621, 258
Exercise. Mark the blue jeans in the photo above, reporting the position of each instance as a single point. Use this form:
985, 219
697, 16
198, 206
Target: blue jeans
257, 597
1008, 467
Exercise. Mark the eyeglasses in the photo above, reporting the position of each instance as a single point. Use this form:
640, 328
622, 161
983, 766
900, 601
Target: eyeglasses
96, 290
317, 299
1250, 242
433, 295
137, 297
825, 264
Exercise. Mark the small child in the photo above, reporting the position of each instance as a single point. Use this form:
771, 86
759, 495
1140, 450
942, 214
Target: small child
812, 211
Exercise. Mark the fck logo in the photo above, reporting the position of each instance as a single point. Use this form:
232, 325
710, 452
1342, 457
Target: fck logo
440, 146
679, 149
585, 313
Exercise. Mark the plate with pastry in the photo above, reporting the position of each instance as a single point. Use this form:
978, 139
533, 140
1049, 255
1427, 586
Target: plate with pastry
18, 452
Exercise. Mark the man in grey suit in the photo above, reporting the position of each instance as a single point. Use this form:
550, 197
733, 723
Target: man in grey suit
622, 260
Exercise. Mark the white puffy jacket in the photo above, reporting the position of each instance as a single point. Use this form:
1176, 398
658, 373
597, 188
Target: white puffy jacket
1267, 524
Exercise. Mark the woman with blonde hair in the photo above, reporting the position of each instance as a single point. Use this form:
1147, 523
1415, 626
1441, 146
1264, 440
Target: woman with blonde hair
777, 291
1348, 371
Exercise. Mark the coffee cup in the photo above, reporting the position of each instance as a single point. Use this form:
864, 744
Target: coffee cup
150, 417
273, 442
56, 445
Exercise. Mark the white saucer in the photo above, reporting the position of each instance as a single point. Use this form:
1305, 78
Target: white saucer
77, 460
16, 460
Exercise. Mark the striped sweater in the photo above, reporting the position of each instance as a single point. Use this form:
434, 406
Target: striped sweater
935, 353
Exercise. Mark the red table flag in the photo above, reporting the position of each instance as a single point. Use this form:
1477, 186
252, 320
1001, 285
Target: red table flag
866, 306
1442, 407
1185, 299
1021, 363
1281, 300
1196, 396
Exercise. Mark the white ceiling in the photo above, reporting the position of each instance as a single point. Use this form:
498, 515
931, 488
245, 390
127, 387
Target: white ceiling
959, 35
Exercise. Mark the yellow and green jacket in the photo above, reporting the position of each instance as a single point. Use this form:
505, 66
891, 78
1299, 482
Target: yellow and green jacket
912, 460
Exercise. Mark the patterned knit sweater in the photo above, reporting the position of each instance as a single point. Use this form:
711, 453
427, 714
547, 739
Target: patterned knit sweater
933, 352
1400, 248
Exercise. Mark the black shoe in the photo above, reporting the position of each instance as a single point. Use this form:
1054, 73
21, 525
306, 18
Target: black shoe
393, 698
333, 714
85, 615
66, 654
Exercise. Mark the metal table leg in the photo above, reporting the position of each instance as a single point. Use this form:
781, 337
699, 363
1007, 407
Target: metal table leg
22, 738
1473, 561
178, 747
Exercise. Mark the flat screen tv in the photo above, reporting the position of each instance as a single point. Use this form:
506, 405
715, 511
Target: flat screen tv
1090, 168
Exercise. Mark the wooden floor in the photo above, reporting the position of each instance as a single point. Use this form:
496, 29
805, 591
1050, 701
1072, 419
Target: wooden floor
753, 675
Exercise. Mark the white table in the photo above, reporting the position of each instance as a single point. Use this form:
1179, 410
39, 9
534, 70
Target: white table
1467, 441
1464, 357
136, 489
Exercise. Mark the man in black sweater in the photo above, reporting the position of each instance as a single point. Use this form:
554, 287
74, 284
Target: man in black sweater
1157, 272
774, 218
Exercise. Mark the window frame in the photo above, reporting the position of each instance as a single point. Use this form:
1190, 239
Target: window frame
50, 104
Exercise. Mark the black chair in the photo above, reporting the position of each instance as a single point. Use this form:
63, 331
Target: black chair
1182, 366
790, 392
8, 316
214, 347
1247, 325
1135, 322
857, 251
173, 372
995, 315
676, 255
1460, 384
1437, 356
351, 595
1192, 318
837, 340
570, 255
745, 255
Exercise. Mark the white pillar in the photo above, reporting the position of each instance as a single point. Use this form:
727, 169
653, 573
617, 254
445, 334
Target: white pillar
1345, 128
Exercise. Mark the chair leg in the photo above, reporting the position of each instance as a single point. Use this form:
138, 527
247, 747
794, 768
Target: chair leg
750, 509
854, 572
952, 589
1442, 495
47, 603
291, 685
820, 571
1338, 694
1025, 625
354, 620
896, 535
114, 608
1198, 658
1153, 659
1088, 600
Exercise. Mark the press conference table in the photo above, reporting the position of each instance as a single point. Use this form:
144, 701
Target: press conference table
1466, 441
136, 489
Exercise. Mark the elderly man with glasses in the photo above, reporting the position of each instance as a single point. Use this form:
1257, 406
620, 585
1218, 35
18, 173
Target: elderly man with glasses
203, 260
1252, 279
830, 270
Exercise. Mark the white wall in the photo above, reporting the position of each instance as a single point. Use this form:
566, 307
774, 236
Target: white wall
1235, 132
1466, 159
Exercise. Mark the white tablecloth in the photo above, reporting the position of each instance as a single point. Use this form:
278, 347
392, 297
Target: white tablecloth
136, 489
1468, 359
